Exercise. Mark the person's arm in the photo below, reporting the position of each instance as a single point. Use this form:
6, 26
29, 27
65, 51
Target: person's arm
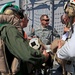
19, 47
68, 49
55, 33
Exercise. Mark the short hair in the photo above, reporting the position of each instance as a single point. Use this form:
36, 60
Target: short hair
41, 18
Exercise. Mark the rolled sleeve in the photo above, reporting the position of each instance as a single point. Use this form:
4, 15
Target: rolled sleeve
67, 51
63, 52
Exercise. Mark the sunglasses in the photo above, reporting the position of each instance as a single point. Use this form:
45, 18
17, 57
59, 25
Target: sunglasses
46, 19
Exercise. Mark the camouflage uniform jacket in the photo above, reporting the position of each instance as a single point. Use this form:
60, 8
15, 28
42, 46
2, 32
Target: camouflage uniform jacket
46, 34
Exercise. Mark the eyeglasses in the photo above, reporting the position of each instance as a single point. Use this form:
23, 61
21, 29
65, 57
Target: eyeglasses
46, 19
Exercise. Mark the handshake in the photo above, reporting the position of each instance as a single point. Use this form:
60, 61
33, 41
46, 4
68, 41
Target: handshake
37, 44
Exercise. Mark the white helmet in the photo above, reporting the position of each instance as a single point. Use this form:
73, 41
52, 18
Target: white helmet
72, 1
34, 43
65, 5
69, 8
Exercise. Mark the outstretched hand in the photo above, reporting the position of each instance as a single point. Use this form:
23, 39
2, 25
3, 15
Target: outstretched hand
46, 55
60, 43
